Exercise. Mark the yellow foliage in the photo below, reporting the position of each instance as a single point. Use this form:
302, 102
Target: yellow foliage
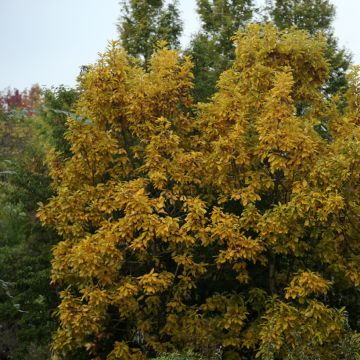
305, 284
182, 225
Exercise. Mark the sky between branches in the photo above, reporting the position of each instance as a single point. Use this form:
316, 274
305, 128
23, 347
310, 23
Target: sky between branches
46, 41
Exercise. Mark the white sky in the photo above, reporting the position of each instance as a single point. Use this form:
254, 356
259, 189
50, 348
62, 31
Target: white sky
46, 41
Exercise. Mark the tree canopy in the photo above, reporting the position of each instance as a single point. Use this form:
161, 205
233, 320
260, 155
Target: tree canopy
26, 297
310, 15
143, 24
212, 49
233, 226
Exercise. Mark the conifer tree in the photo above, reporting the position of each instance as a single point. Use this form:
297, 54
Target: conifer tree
144, 23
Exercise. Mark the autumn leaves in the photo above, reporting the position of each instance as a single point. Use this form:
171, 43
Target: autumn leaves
205, 226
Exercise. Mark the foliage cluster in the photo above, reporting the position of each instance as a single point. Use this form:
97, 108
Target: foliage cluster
178, 356
212, 49
16, 100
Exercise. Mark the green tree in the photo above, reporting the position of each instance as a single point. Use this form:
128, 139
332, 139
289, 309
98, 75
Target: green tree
57, 105
212, 49
28, 125
311, 15
144, 23
28, 300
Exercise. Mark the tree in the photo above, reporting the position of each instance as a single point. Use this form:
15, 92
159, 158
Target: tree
144, 23
212, 49
311, 15
27, 300
221, 19
26, 101
26, 296
236, 227
58, 104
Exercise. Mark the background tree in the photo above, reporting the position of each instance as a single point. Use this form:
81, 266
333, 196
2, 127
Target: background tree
27, 300
26, 101
57, 106
311, 15
144, 23
212, 49
235, 228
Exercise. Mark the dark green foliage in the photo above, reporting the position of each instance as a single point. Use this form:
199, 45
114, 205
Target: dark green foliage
340, 61
57, 101
27, 300
310, 15
144, 23
220, 19
212, 49
208, 62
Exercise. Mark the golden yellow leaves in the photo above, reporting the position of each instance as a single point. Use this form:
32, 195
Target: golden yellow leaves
153, 282
234, 317
306, 331
96, 257
126, 290
190, 267
305, 284
122, 351
240, 249
179, 224
353, 96
225, 316
106, 85
78, 320
283, 140
226, 229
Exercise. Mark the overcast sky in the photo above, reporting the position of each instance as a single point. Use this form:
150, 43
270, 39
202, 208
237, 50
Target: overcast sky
46, 41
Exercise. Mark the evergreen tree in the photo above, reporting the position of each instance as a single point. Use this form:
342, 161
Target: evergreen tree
220, 19
310, 15
212, 49
144, 23
27, 301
